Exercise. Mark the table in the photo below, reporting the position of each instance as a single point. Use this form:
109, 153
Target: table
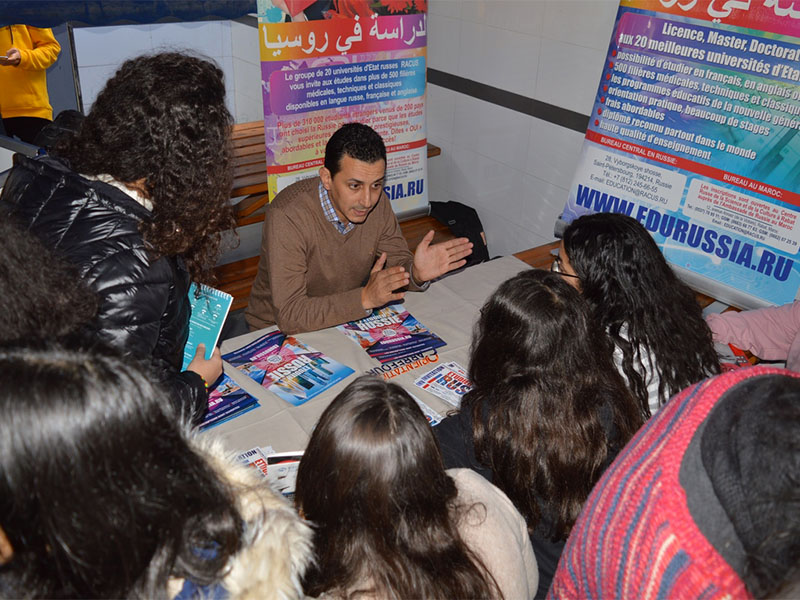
449, 308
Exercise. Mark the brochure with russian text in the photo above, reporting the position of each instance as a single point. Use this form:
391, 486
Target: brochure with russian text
288, 367
209, 310
448, 381
391, 333
226, 401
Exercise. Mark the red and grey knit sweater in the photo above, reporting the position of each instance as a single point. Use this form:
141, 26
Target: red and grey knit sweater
636, 537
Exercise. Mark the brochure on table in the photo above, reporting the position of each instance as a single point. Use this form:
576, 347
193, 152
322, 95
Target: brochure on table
227, 400
287, 367
694, 133
390, 334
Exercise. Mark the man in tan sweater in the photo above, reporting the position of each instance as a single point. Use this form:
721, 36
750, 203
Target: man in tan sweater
331, 247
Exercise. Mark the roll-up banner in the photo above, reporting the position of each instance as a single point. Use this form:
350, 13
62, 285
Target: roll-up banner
694, 133
329, 62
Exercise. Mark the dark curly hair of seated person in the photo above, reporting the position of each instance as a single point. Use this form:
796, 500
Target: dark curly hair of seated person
101, 495
47, 298
549, 411
636, 297
161, 123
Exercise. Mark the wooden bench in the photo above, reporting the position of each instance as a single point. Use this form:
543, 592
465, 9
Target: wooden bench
251, 198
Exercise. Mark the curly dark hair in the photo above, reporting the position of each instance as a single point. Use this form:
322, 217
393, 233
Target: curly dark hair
47, 298
637, 298
549, 410
385, 511
355, 140
162, 119
101, 493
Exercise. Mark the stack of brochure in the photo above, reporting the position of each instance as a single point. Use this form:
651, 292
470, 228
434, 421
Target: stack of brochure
448, 381
226, 401
391, 333
287, 367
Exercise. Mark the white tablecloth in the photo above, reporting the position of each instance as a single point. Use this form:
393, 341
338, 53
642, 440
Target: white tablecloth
449, 308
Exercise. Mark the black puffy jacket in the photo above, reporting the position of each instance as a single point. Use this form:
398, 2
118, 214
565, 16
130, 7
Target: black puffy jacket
143, 306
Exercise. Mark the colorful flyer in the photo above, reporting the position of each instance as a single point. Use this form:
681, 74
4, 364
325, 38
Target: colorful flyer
448, 381
327, 63
391, 334
392, 369
287, 367
256, 458
226, 401
694, 133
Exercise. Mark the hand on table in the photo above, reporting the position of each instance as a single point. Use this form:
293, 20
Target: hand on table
382, 284
12, 58
432, 261
210, 369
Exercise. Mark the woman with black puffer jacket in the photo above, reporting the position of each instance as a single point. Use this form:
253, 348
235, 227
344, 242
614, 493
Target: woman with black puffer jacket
137, 200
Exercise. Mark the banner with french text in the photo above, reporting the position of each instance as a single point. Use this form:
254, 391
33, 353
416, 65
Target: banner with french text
329, 62
694, 132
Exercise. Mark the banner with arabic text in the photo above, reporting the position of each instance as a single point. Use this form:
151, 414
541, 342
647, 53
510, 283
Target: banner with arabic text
694, 133
329, 62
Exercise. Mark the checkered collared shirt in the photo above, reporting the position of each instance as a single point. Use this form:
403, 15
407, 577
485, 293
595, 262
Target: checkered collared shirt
330, 213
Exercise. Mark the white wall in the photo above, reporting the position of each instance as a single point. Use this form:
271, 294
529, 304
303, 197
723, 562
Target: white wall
247, 73
234, 46
515, 170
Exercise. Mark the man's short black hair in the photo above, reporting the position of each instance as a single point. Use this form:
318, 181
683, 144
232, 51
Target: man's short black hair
357, 141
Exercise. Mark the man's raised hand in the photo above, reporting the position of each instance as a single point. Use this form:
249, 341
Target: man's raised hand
432, 261
382, 284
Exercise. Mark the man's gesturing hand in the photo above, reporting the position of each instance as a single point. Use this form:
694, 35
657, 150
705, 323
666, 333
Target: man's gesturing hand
434, 261
382, 284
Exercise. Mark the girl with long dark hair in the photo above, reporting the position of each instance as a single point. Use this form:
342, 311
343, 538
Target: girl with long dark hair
390, 522
136, 200
548, 411
662, 344
105, 494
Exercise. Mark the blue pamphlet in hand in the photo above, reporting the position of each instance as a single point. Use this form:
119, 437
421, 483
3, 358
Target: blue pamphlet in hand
209, 310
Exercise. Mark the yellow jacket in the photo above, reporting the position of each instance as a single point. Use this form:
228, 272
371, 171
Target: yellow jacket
23, 89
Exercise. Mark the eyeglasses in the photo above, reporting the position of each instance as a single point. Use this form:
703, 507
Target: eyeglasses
555, 267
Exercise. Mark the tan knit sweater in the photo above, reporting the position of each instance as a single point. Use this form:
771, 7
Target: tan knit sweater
310, 276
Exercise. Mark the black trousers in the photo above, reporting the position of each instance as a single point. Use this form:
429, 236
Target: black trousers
25, 128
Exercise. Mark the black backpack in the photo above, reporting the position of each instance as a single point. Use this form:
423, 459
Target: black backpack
463, 221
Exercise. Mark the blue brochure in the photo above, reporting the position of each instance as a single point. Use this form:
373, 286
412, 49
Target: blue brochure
226, 401
209, 310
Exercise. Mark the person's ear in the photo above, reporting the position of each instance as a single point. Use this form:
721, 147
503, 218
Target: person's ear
326, 177
6, 550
